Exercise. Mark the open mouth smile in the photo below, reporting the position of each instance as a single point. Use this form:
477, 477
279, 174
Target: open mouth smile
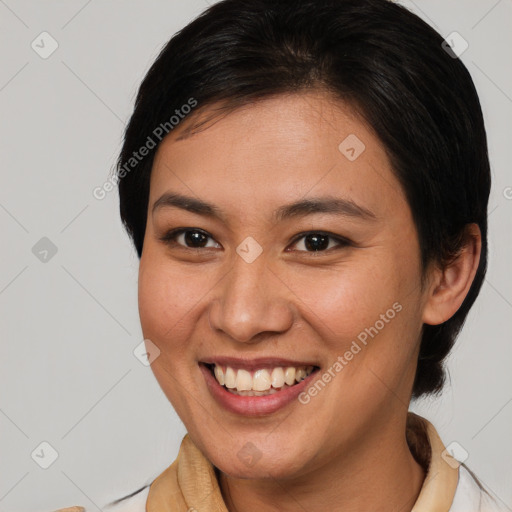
258, 390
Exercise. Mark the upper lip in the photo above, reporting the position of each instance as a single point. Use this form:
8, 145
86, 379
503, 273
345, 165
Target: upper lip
256, 363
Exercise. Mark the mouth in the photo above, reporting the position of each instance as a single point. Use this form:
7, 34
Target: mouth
259, 388
258, 382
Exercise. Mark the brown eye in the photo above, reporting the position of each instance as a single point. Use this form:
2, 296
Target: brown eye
319, 242
190, 238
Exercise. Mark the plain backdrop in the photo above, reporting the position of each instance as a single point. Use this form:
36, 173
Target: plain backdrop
68, 274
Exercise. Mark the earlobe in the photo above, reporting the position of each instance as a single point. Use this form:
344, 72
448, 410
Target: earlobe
449, 286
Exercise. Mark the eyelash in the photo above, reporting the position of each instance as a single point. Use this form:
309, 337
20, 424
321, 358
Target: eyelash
169, 238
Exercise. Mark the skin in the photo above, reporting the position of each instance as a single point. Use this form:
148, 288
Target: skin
346, 449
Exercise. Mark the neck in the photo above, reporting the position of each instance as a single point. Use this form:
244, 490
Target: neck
379, 474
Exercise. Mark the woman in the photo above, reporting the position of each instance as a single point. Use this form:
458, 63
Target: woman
306, 185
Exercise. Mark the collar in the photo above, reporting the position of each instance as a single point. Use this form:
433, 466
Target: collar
190, 482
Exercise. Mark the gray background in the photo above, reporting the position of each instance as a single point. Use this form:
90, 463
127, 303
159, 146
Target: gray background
69, 324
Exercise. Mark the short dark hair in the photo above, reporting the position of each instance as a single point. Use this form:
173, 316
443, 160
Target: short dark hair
375, 55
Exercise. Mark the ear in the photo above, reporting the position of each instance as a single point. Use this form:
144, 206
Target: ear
450, 285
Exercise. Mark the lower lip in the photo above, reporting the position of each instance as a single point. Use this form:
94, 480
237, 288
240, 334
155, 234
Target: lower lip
253, 405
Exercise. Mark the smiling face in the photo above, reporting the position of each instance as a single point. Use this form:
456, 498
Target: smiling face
331, 284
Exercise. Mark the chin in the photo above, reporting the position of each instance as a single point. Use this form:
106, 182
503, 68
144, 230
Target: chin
260, 471
269, 462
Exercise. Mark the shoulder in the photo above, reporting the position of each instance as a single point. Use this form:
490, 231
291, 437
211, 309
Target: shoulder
135, 502
469, 496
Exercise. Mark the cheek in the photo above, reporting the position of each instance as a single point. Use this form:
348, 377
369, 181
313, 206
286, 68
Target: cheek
342, 301
166, 299
365, 311
166, 309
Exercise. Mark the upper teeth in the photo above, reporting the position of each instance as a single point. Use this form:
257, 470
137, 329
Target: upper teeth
260, 380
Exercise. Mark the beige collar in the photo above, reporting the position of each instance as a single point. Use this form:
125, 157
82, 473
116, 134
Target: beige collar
190, 482
440, 484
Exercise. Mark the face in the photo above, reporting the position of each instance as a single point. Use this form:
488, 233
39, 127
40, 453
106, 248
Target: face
238, 282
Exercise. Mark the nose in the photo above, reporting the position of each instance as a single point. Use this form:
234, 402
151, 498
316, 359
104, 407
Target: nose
251, 300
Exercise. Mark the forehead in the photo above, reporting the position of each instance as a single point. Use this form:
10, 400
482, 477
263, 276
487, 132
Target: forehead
277, 150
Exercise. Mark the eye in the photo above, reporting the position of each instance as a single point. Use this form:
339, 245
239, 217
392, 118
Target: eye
189, 238
194, 238
319, 241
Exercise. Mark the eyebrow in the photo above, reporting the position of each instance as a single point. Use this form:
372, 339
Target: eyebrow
301, 208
